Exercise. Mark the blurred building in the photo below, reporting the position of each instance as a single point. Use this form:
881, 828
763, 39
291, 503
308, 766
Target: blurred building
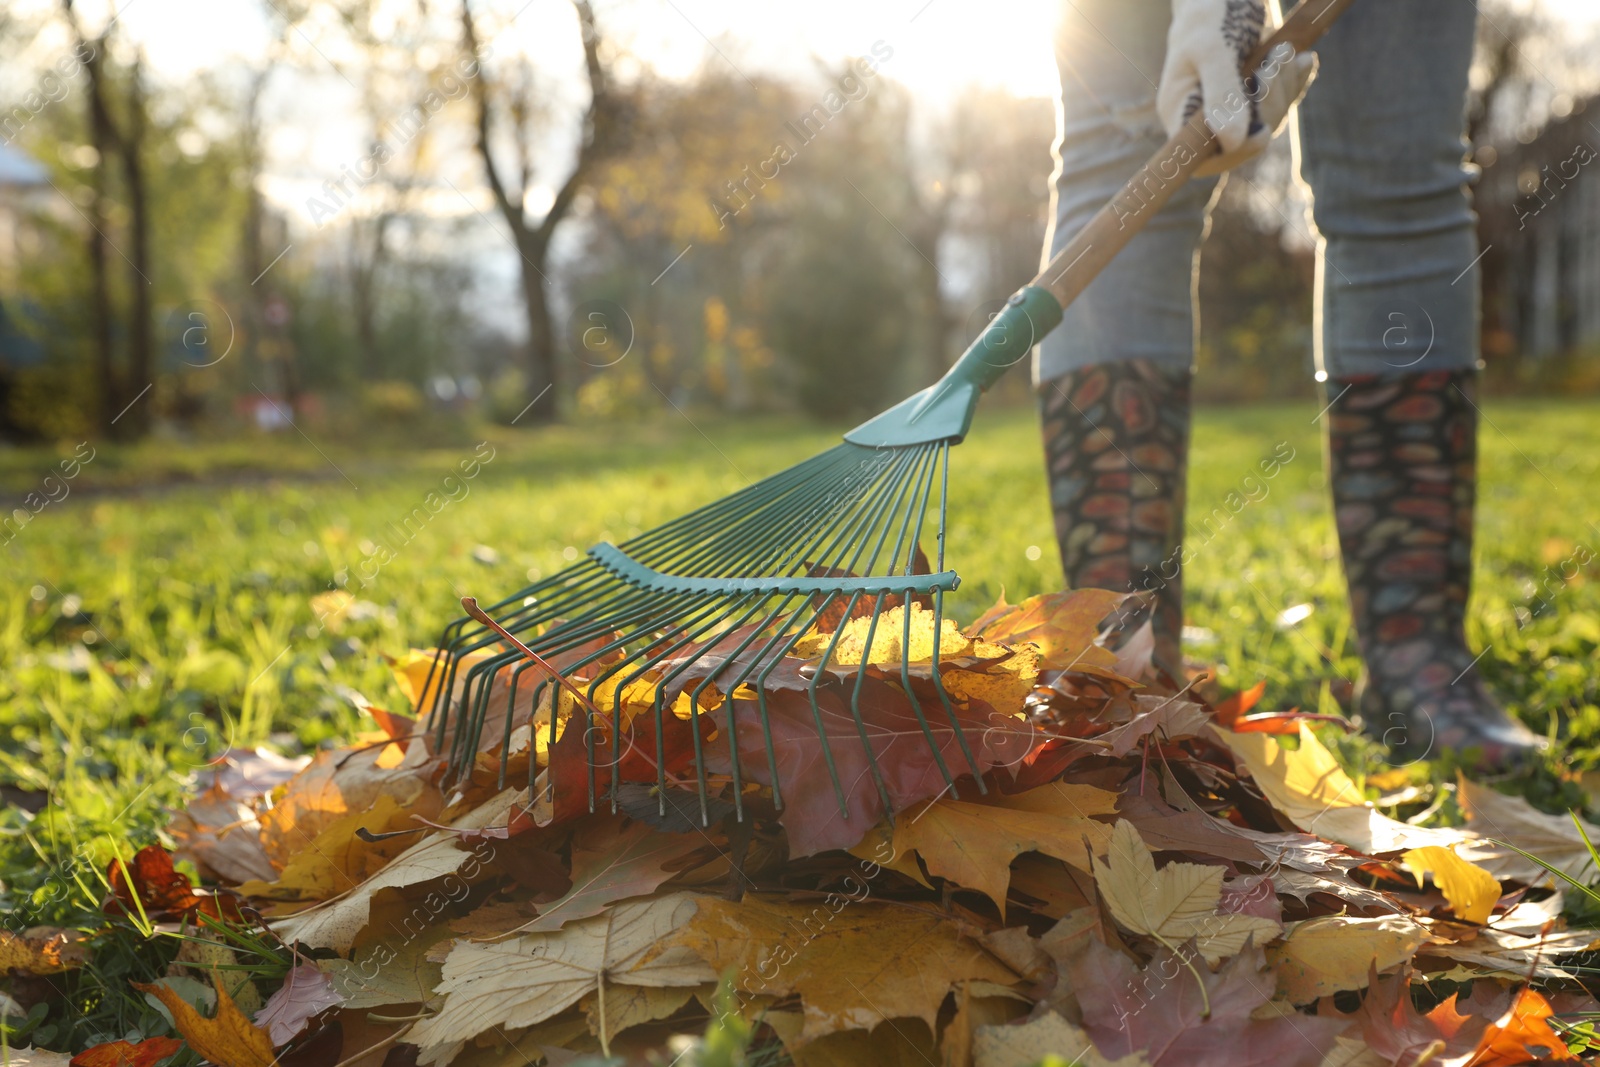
1540, 209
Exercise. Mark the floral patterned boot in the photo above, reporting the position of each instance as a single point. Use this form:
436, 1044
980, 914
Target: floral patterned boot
1116, 440
1402, 462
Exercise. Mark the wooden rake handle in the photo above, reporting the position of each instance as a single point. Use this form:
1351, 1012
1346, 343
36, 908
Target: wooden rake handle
1071, 270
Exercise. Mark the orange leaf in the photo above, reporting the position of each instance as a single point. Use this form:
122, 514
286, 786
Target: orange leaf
160, 889
1522, 1035
229, 1039
1063, 625
1238, 705
144, 1053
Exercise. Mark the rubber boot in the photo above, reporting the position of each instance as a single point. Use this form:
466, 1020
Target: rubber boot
1116, 440
1402, 463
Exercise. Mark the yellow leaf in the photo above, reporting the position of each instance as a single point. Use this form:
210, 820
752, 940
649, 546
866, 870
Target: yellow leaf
854, 964
337, 860
1472, 891
1003, 686
887, 638
229, 1039
1174, 904
528, 979
335, 923
1324, 955
42, 950
1063, 626
973, 844
1308, 785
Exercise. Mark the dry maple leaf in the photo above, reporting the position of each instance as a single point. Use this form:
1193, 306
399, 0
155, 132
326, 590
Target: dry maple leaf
42, 950
1030, 1043
1472, 891
146, 1053
227, 1039
1521, 1035
1324, 955
221, 836
906, 762
338, 859
161, 890
1308, 786
612, 859
306, 993
1393, 1031
336, 923
1555, 839
973, 844
1063, 626
1162, 1011
853, 963
534, 977
1173, 904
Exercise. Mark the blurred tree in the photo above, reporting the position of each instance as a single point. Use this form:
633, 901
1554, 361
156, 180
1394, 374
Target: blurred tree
602, 129
121, 138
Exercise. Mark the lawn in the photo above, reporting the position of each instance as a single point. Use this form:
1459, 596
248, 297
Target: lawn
144, 627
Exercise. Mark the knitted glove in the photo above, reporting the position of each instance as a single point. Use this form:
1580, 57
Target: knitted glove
1206, 46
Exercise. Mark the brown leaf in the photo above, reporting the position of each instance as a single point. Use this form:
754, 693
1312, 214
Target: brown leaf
146, 1053
853, 964
220, 835
612, 859
973, 844
228, 1039
1391, 1026
1161, 1012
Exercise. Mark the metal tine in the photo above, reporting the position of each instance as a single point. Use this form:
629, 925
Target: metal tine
658, 542
938, 625
786, 560
602, 624
905, 641
842, 522
866, 654
827, 657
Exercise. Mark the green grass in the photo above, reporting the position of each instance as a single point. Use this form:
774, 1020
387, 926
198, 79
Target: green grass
142, 631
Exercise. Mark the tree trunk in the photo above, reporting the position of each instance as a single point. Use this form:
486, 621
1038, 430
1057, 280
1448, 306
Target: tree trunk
141, 342
101, 313
542, 367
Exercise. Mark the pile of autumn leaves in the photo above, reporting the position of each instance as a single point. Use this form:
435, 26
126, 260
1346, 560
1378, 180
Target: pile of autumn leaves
1142, 878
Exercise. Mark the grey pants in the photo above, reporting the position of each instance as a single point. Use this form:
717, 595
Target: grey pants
1379, 141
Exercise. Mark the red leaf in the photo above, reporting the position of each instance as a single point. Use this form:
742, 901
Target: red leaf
144, 1053
1232, 713
160, 889
1393, 1028
833, 616
1159, 1011
398, 727
904, 758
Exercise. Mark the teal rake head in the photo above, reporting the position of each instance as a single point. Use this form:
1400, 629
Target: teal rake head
838, 535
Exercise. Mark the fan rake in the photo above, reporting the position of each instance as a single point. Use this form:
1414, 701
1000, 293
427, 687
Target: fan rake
722, 595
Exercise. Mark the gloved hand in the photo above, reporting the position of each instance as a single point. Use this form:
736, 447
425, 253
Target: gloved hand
1206, 47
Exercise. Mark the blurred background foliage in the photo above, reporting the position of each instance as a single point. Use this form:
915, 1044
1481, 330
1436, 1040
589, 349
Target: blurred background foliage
513, 243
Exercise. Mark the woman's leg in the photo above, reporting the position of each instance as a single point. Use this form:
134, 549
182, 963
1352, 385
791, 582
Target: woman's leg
1113, 379
1380, 142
